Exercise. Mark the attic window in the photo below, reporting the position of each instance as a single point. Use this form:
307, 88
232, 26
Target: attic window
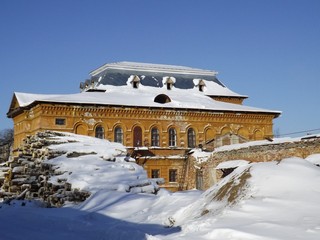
82, 85
87, 83
201, 85
162, 98
169, 81
135, 81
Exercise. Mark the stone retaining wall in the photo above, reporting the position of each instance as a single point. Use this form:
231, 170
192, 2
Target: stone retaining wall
259, 153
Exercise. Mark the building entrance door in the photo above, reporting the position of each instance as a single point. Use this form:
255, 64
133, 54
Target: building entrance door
137, 137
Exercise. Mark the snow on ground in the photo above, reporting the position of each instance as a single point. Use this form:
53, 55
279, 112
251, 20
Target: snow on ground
272, 200
88, 172
260, 201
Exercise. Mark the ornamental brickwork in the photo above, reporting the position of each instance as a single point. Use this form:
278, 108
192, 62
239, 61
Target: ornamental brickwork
85, 120
207, 126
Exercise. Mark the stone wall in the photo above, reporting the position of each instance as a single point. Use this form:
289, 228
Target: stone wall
4, 152
258, 153
26, 176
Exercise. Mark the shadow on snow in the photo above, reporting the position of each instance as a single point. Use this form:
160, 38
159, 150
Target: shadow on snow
69, 223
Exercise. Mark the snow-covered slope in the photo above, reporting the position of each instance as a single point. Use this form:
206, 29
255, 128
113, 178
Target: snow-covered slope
89, 172
272, 200
259, 201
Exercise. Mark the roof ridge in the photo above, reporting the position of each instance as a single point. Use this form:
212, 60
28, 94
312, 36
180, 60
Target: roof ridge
153, 67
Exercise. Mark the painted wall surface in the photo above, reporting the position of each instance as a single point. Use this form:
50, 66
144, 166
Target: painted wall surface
87, 119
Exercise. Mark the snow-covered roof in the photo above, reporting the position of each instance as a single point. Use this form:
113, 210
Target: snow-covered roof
232, 164
152, 75
141, 97
151, 67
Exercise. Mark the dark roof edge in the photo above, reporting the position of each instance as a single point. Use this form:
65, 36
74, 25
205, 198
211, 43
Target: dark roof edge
267, 112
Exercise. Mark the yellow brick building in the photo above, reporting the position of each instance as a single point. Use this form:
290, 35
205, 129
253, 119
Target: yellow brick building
159, 112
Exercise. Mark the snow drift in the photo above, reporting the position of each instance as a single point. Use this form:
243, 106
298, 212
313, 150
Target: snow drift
259, 201
271, 200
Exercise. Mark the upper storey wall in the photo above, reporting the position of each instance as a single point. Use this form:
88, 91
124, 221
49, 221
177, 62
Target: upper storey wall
85, 120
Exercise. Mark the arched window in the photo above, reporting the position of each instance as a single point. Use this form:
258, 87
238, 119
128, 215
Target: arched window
172, 137
162, 98
118, 135
191, 138
81, 129
155, 137
258, 135
99, 132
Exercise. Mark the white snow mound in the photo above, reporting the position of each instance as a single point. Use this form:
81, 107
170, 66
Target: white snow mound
257, 201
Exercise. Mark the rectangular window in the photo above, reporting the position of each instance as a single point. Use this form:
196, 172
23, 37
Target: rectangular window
155, 173
173, 175
172, 137
60, 121
155, 138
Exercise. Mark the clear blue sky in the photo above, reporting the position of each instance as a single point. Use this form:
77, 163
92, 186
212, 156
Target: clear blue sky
268, 50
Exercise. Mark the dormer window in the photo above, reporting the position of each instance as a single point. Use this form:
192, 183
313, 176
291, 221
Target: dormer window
134, 80
82, 86
87, 83
201, 85
169, 82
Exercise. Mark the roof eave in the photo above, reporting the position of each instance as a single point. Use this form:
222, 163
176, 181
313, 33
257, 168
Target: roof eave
145, 68
229, 96
20, 109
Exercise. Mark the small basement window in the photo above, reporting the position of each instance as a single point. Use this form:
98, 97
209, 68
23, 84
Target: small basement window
155, 173
60, 121
172, 175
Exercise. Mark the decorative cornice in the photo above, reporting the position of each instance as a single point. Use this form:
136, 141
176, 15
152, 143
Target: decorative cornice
153, 113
